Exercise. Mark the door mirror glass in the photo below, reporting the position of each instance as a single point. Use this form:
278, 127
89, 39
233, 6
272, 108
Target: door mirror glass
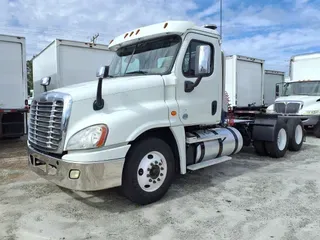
45, 81
203, 60
102, 72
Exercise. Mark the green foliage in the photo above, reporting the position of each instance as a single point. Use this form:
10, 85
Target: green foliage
29, 75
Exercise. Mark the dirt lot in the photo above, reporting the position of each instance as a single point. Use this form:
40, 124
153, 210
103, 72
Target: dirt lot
246, 198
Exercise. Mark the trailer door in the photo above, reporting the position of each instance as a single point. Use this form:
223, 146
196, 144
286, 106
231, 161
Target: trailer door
249, 83
12, 85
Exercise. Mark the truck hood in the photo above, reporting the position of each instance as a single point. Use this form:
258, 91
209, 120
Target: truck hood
300, 98
88, 90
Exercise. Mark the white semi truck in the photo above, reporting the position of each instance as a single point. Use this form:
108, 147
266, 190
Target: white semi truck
65, 62
155, 111
301, 96
13, 87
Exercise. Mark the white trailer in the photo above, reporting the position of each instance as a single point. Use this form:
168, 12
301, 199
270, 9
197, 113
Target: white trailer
13, 86
305, 67
244, 81
68, 62
272, 79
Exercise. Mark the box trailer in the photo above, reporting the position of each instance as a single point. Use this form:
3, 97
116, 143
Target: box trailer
272, 79
305, 67
13, 86
68, 62
244, 81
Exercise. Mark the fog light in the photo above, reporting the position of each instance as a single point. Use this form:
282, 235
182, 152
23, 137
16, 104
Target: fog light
74, 174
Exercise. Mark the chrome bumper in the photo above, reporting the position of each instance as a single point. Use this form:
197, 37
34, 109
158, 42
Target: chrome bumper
93, 175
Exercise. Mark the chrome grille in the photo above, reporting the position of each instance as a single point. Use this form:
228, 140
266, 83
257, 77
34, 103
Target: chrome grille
45, 124
287, 107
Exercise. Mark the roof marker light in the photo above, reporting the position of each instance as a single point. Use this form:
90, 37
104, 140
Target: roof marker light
126, 35
131, 33
137, 31
165, 25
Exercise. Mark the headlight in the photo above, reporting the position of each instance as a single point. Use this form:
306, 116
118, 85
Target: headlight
90, 137
311, 112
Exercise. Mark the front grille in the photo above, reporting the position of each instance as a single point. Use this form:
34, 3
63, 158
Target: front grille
45, 124
290, 107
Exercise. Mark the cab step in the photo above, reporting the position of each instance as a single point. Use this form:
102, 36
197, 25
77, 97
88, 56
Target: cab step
208, 163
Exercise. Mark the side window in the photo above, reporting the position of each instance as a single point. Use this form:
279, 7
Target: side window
188, 65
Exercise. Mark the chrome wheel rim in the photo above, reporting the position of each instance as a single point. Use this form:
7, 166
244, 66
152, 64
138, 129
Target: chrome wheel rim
282, 139
152, 171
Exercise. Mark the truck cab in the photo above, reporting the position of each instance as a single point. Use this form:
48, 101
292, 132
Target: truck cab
301, 96
156, 110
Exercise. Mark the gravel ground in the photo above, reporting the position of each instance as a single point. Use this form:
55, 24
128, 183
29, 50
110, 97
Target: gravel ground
245, 198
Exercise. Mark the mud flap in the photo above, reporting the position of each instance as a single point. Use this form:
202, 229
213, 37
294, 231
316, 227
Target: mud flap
264, 127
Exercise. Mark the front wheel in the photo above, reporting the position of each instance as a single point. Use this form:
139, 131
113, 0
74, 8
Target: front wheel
148, 171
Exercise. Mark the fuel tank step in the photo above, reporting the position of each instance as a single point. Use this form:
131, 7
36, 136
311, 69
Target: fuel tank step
208, 163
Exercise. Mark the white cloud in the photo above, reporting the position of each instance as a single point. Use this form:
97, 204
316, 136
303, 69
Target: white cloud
267, 31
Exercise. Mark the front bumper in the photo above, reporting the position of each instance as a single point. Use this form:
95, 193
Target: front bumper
94, 175
310, 120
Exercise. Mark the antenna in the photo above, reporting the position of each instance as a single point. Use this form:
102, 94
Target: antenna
220, 20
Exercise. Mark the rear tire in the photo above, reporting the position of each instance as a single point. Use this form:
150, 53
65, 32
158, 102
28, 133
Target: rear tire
278, 147
260, 148
148, 171
316, 130
296, 133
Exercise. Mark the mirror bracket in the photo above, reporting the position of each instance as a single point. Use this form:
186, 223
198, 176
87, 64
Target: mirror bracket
190, 86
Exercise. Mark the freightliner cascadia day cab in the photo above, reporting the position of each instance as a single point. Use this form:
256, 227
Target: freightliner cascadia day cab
65, 62
13, 87
157, 110
301, 96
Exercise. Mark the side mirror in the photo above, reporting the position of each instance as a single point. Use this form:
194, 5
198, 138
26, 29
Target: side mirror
45, 81
203, 60
103, 72
202, 66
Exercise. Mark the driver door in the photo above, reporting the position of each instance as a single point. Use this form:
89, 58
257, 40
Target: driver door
203, 104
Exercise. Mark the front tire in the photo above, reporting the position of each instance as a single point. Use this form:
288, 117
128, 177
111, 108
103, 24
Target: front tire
148, 171
278, 147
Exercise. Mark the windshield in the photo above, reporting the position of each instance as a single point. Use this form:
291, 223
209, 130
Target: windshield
149, 57
310, 88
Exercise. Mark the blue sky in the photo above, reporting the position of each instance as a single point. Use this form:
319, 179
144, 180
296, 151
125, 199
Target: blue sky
271, 30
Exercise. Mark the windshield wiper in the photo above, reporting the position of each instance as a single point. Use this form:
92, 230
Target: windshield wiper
139, 72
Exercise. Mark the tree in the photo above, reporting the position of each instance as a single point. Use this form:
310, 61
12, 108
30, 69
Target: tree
29, 75
94, 38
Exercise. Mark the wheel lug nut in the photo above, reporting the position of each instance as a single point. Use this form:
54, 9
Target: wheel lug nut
154, 182
162, 168
148, 169
150, 180
148, 175
156, 162
160, 163
161, 174
158, 179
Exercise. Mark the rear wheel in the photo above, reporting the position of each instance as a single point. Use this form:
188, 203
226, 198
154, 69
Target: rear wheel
296, 132
278, 147
148, 171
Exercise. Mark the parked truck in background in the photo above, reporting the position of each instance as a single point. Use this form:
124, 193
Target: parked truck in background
66, 62
301, 96
13, 87
155, 111
272, 80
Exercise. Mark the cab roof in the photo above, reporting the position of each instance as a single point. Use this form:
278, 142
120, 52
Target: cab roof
157, 30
